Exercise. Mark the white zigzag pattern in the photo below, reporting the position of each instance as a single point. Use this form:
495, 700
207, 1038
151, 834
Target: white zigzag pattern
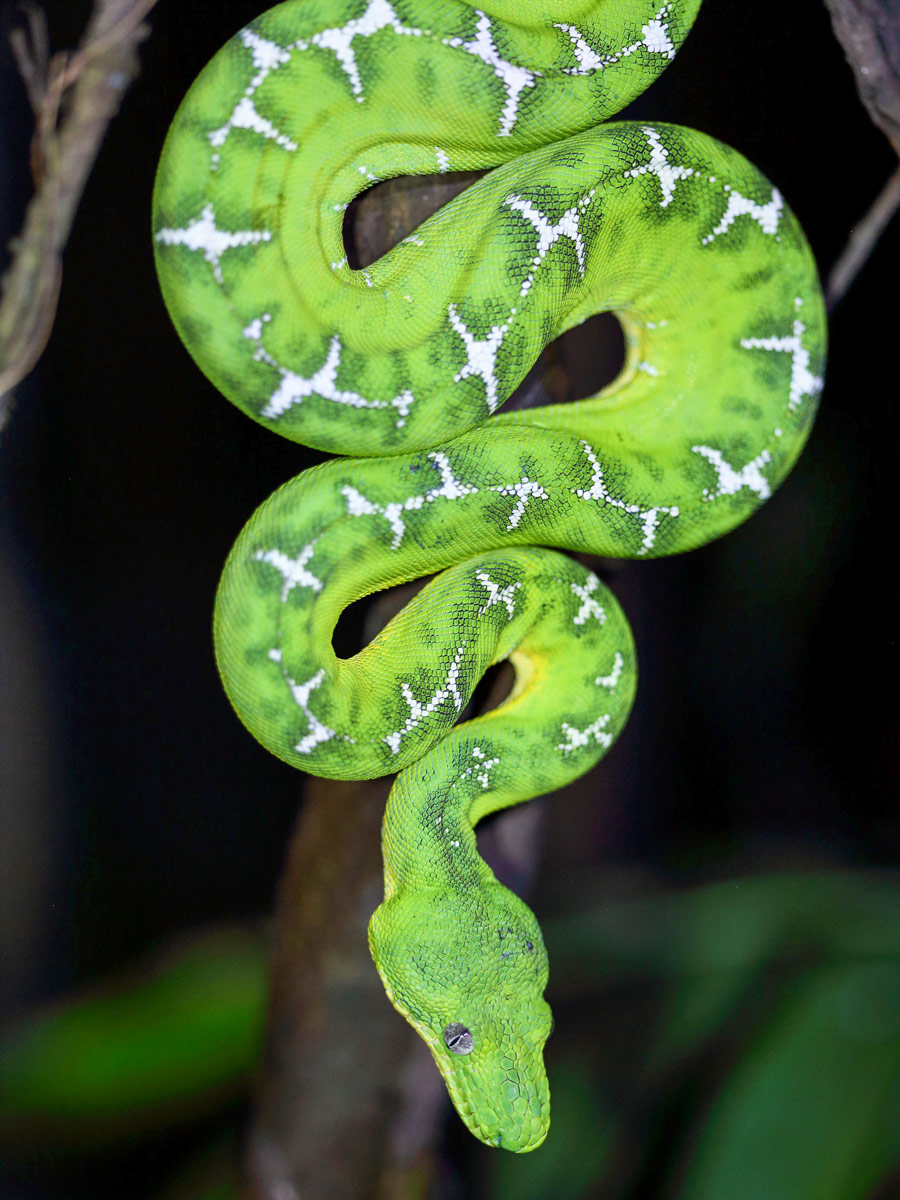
294, 388
497, 594
766, 216
339, 40
481, 769
514, 79
292, 569
660, 166
576, 739
449, 488
204, 235
548, 234
730, 480
267, 57
523, 491
318, 732
803, 382
481, 355
649, 517
589, 606
654, 39
418, 710
610, 680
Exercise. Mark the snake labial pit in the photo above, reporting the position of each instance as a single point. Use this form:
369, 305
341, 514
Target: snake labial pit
402, 368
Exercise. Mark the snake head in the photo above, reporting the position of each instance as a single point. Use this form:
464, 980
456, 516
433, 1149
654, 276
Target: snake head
468, 971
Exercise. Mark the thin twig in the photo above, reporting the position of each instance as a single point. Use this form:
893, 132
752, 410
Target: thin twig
862, 241
869, 32
74, 97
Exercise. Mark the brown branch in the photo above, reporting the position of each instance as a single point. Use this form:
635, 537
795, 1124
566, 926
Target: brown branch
861, 242
869, 32
74, 97
334, 1045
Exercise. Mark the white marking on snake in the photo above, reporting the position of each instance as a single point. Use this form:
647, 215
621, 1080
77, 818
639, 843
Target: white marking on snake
523, 491
514, 79
294, 388
660, 166
589, 606
803, 382
378, 15
730, 480
293, 569
449, 488
766, 216
654, 39
203, 234
443, 159
403, 403
610, 681
481, 355
318, 732
649, 517
497, 594
245, 116
548, 234
576, 739
588, 58
267, 57
481, 768
418, 710
648, 369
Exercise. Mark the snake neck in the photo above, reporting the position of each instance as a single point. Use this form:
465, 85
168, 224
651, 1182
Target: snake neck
430, 818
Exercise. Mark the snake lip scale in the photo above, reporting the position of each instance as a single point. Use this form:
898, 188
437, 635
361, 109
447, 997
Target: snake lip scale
402, 369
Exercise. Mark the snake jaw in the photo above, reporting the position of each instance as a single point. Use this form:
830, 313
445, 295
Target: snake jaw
503, 1105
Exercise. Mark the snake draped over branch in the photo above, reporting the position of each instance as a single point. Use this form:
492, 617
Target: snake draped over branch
404, 366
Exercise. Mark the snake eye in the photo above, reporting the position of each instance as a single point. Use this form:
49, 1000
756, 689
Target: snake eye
458, 1039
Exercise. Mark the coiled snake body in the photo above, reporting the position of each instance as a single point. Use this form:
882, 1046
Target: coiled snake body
405, 363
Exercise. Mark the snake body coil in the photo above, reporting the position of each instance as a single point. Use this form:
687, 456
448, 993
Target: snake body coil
405, 364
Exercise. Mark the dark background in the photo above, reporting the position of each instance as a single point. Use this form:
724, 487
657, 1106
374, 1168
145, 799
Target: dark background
765, 734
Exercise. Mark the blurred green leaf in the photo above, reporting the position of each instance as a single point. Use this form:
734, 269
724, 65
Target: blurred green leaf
739, 923
213, 1175
694, 1011
813, 1108
146, 1051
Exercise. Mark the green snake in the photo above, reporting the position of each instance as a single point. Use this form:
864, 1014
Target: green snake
404, 365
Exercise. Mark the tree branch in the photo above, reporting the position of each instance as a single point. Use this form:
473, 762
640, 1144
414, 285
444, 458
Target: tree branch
861, 242
869, 32
74, 97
